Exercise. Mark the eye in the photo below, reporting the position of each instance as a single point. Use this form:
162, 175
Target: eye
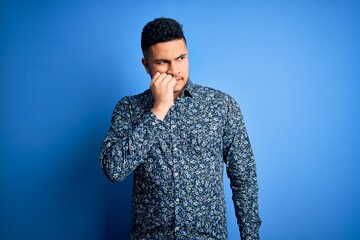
181, 58
161, 62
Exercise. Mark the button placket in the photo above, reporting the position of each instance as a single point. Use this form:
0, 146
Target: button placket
175, 167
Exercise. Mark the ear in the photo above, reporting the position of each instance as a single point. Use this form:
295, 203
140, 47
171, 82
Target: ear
145, 62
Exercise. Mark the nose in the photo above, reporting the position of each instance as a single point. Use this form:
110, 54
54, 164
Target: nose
173, 69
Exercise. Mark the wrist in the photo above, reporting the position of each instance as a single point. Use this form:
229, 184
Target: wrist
160, 111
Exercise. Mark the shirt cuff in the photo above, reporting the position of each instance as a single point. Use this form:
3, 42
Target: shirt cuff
153, 124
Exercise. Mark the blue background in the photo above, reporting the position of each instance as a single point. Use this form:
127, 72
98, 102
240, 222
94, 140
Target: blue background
294, 68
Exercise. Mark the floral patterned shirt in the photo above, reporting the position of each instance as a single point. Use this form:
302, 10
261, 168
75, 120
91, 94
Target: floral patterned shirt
178, 164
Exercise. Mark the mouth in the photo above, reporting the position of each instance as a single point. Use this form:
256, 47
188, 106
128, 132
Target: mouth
178, 80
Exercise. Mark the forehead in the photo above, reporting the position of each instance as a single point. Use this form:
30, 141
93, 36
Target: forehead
168, 50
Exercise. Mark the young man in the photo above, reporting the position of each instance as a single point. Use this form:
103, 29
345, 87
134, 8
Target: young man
176, 138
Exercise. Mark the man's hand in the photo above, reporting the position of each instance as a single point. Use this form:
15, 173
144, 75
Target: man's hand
162, 88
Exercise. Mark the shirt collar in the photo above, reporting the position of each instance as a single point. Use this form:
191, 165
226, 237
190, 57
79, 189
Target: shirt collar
188, 90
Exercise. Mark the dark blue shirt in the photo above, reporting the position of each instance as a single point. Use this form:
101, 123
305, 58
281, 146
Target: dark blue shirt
178, 164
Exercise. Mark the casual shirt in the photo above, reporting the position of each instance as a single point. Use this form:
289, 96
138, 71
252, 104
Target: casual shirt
178, 164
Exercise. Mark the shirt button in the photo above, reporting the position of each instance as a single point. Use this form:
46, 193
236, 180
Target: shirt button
177, 229
177, 200
176, 174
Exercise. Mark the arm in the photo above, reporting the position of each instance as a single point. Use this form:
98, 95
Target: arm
241, 170
126, 146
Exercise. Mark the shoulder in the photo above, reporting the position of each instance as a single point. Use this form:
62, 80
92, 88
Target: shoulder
134, 100
134, 104
211, 94
132, 107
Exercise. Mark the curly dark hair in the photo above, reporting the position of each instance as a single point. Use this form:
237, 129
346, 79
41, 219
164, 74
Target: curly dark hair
160, 30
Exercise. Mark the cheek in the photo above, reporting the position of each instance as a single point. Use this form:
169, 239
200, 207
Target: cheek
158, 68
185, 67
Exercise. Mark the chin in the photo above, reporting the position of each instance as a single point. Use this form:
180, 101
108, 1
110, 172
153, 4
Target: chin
179, 86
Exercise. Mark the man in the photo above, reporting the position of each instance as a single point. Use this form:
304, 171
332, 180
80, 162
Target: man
176, 137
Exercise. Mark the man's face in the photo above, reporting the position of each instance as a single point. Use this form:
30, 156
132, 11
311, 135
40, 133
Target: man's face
171, 58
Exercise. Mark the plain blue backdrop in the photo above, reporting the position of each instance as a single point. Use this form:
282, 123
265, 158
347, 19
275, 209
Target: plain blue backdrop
293, 66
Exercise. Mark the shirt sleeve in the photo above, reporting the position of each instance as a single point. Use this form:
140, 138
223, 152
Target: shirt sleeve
241, 170
126, 144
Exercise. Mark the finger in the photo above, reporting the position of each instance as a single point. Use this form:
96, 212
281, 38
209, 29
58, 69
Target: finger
172, 81
163, 79
168, 78
157, 79
156, 76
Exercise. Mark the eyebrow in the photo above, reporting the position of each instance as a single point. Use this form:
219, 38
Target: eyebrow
161, 60
167, 60
182, 55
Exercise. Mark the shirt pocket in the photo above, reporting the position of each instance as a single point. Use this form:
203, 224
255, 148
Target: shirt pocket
204, 138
